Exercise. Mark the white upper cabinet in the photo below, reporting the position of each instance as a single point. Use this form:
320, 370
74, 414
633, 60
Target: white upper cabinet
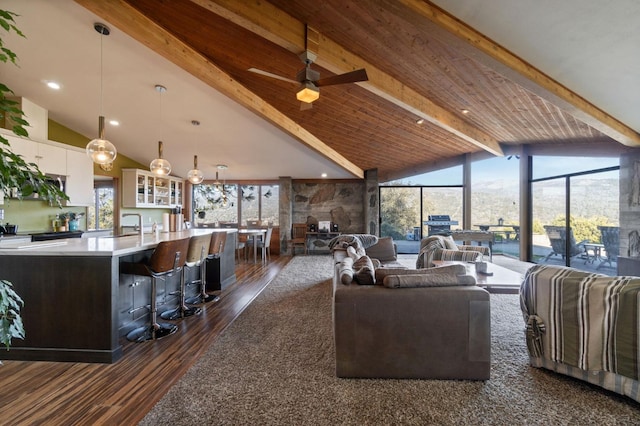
52, 159
79, 185
141, 188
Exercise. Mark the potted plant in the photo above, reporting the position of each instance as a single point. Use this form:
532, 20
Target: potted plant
10, 320
68, 221
17, 173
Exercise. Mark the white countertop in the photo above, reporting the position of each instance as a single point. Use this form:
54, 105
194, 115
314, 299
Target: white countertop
100, 246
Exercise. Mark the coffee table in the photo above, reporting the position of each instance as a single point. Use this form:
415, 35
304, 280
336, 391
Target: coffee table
503, 280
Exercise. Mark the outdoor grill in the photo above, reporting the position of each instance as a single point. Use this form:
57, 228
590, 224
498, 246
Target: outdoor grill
439, 224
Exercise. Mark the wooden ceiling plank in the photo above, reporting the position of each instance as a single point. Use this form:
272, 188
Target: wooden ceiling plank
523, 73
396, 92
262, 17
138, 26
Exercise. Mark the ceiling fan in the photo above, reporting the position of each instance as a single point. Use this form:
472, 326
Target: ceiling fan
310, 81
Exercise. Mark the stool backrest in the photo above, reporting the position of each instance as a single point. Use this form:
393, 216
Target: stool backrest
163, 258
218, 240
198, 248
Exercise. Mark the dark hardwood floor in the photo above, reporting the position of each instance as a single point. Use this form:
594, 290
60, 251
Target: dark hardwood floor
59, 393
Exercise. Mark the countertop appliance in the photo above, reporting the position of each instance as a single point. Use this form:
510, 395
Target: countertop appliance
8, 229
46, 236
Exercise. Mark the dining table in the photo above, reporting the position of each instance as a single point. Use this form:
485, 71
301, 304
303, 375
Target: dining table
253, 234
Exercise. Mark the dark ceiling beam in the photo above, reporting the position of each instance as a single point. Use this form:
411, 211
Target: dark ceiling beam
130, 21
277, 26
440, 24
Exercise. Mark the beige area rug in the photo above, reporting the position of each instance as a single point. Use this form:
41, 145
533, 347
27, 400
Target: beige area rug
275, 366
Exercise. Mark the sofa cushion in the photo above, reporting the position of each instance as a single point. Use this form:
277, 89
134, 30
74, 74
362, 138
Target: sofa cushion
383, 250
428, 280
457, 269
363, 271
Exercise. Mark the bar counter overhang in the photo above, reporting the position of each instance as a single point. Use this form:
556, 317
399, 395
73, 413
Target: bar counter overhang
75, 300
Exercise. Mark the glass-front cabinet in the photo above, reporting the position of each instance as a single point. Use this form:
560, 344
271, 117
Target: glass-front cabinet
143, 189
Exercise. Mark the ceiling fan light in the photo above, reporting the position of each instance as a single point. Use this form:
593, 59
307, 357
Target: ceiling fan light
308, 93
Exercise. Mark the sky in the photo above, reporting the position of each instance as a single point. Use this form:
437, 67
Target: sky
498, 167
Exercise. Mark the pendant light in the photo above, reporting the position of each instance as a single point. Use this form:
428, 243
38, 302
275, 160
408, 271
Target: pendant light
160, 166
100, 150
195, 176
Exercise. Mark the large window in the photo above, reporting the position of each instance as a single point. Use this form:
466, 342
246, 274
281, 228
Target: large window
260, 202
235, 204
495, 201
575, 214
100, 214
405, 206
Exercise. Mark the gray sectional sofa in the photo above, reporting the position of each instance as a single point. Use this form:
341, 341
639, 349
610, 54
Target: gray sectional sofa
409, 324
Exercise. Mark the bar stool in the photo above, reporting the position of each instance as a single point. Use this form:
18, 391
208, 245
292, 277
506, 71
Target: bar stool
198, 249
216, 247
167, 259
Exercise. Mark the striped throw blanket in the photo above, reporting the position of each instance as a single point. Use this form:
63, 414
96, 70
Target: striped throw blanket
584, 321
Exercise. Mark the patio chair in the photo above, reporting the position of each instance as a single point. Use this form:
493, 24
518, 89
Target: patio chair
558, 239
611, 242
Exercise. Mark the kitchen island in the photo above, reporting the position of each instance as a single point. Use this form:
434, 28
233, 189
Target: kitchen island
77, 306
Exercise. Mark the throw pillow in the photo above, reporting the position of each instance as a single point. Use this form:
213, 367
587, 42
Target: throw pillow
363, 271
429, 280
345, 271
355, 253
449, 243
383, 250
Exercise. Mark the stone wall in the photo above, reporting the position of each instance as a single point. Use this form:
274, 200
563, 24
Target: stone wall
339, 202
630, 204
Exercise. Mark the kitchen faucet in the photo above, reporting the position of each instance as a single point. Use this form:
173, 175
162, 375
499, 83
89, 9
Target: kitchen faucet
141, 229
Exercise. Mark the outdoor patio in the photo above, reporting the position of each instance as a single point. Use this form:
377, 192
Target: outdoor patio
509, 250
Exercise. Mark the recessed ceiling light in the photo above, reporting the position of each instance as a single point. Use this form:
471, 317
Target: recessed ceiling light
53, 85
420, 121
114, 122
465, 111
324, 175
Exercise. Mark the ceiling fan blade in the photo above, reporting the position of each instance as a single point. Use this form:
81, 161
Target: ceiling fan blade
276, 76
348, 77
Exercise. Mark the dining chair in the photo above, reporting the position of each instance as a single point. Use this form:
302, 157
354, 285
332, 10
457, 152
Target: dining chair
264, 245
241, 246
298, 237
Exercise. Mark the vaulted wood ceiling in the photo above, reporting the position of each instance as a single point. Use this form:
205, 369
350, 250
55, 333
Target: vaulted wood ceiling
421, 62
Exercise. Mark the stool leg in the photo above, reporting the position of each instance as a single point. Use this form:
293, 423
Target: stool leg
154, 330
203, 297
182, 311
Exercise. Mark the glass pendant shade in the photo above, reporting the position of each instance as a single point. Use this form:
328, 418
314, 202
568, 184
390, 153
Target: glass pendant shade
195, 176
100, 150
160, 166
